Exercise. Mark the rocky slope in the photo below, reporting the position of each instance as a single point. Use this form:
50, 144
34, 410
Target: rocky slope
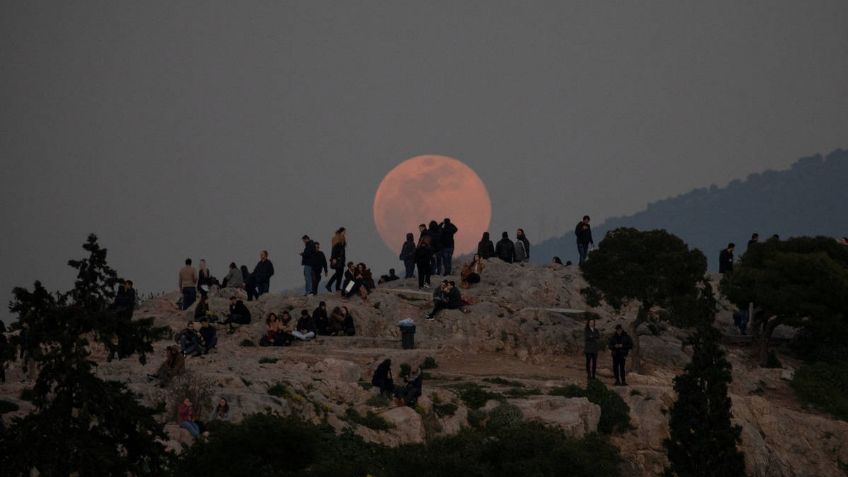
522, 337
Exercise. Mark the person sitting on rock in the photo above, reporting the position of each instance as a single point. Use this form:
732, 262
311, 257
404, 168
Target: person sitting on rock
201, 310
305, 329
472, 271
336, 322
388, 278
347, 324
382, 379
221, 412
321, 320
366, 277
186, 420
274, 335
189, 341
620, 344
408, 394
173, 366
450, 298
239, 314
208, 335
234, 278
286, 323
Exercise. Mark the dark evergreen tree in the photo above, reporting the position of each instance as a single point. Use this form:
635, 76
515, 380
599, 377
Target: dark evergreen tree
703, 440
655, 268
82, 424
800, 282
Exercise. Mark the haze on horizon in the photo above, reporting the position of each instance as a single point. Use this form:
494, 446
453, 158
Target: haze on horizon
217, 129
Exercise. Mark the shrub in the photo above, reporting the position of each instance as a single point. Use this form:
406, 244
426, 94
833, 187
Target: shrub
569, 391
7, 406
504, 382
429, 363
823, 386
247, 342
772, 361
505, 415
279, 390
193, 386
405, 370
268, 360
369, 420
523, 392
615, 413
27, 394
378, 401
475, 396
444, 409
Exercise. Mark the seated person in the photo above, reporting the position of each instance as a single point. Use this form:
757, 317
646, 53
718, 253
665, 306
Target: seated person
201, 310
305, 329
189, 341
382, 378
449, 298
336, 322
239, 314
286, 323
349, 283
208, 335
274, 335
471, 272
347, 324
173, 366
556, 261
366, 277
321, 320
388, 278
186, 419
234, 278
411, 391
221, 411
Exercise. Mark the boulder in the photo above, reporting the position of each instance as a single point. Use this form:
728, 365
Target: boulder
576, 416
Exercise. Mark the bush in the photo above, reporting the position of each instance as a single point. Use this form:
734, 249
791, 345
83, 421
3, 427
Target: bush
823, 386
505, 415
444, 409
7, 406
475, 396
267, 360
27, 394
279, 390
378, 401
247, 342
429, 363
522, 392
615, 413
504, 382
198, 389
772, 361
569, 391
369, 420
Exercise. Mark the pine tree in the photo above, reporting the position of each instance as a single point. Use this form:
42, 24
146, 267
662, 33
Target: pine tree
702, 440
82, 424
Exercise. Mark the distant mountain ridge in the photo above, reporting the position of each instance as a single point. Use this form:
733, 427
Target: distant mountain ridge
809, 198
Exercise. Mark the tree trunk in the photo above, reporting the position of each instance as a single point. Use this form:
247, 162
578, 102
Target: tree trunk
636, 360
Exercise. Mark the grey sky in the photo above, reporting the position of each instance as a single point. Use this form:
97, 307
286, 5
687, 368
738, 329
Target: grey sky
216, 129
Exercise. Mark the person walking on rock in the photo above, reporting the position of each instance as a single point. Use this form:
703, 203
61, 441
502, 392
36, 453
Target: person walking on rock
725, 259
337, 258
505, 249
591, 345
306, 260
486, 248
448, 230
187, 282
619, 344
262, 274
583, 233
407, 255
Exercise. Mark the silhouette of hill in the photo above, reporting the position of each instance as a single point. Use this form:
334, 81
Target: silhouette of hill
809, 198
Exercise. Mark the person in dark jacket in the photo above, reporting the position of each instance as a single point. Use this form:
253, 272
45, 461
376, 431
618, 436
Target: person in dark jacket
450, 299
124, 302
435, 233
249, 283
262, 274
201, 310
725, 259
239, 314
447, 231
407, 256
305, 329
337, 259
486, 248
520, 236
382, 378
619, 344
350, 287
423, 260
505, 249
348, 324
321, 320
591, 346
319, 264
306, 262
189, 341
208, 335
583, 233
409, 393
755, 239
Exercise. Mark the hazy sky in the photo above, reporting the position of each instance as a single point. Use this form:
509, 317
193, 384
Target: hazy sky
216, 129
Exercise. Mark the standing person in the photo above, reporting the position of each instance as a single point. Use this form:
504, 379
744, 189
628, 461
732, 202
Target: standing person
486, 248
337, 258
423, 258
306, 261
620, 344
505, 249
755, 238
319, 263
249, 283
725, 259
583, 233
204, 278
262, 274
234, 278
448, 230
520, 251
591, 346
435, 233
187, 282
521, 237
407, 255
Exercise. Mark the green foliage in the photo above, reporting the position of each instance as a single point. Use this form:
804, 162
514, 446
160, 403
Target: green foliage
615, 413
824, 386
654, 267
475, 396
268, 360
504, 382
378, 401
444, 409
702, 438
27, 394
81, 423
522, 392
405, 370
429, 363
504, 416
279, 390
247, 343
369, 420
7, 406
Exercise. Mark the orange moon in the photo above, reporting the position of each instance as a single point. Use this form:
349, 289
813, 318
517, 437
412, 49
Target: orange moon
431, 187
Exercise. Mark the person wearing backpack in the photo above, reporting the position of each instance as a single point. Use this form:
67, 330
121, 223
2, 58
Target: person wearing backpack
505, 249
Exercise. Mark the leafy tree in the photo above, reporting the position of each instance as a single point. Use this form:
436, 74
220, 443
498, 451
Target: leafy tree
656, 269
801, 282
82, 424
702, 440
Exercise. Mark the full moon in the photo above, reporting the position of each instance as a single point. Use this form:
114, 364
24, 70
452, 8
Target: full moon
431, 187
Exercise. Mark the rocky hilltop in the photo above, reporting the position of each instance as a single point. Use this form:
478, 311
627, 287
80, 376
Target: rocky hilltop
521, 339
